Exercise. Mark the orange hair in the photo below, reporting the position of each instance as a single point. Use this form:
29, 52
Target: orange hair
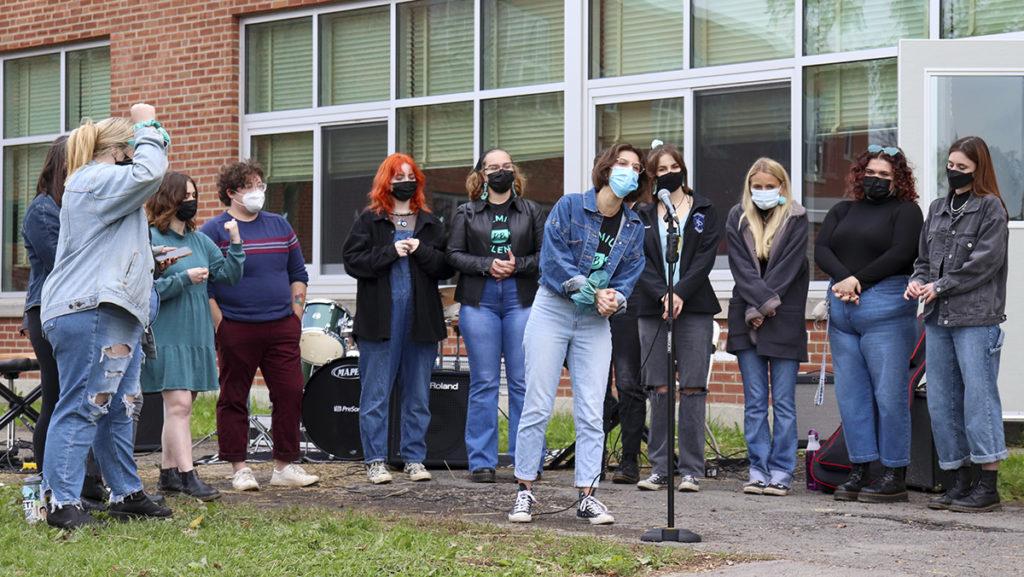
381, 200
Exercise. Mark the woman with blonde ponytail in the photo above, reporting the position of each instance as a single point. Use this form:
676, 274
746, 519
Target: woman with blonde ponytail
95, 304
767, 234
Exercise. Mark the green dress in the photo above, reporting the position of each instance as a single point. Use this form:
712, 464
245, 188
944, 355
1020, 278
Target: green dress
186, 358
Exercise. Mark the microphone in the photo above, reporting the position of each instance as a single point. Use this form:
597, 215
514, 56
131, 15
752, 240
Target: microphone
666, 198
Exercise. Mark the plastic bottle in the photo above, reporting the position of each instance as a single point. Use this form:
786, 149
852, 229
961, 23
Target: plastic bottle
32, 499
812, 449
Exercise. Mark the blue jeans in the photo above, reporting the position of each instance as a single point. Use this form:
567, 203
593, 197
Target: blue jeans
963, 399
492, 330
557, 330
871, 347
87, 368
772, 452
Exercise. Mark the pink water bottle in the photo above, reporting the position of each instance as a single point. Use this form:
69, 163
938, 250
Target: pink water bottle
812, 449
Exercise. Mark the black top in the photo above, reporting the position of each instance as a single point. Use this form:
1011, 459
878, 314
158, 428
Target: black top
869, 240
501, 236
606, 239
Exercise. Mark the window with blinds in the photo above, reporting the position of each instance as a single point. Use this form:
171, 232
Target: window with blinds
87, 86
437, 136
435, 47
21, 171
844, 25
522, 42
964, 18
635, 36
741, 31
32, 96
279, 65
355, 56
528, 127
850, 97
285, 157
640, 122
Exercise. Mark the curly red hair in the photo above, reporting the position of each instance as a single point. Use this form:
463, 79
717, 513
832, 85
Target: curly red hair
381, 200
905, 187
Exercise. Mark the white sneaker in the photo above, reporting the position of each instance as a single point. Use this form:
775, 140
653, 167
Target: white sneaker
417, 472
522, 511
378, 473
653, 483
689, 484
243, 480
292, 476
594, 511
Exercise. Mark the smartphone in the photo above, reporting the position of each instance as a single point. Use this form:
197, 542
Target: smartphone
177, 253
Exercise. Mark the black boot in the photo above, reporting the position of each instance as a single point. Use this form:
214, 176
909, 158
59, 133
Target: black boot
857, 480
889, 488
137, 505
192, 485
94, 494
170, 481
983, 497
960, 488
70, 517
483, 475
628, 472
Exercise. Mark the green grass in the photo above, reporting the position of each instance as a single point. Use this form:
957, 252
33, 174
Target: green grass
235, 540
1011, 477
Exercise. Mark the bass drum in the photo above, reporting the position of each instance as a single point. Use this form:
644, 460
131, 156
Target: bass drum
330, 409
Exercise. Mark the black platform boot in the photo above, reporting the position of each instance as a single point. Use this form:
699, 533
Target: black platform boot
94, 494
891, 487
960, 488
192, 485
983, 497
170, 481
70, 517
137, 505
857, 480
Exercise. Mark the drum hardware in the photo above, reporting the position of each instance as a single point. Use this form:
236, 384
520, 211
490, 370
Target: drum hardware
326, 332
330, 409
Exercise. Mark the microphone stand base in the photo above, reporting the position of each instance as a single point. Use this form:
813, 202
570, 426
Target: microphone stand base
669, 535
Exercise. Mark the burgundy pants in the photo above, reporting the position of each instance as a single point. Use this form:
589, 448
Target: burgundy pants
273, 347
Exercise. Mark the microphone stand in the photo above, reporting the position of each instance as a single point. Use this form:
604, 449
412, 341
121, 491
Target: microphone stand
670, 532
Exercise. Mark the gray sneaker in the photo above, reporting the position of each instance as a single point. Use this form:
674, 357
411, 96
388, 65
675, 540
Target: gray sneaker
655, 482
689, 484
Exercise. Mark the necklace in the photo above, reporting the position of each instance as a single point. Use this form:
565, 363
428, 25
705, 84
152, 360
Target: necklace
400, 218
959, 209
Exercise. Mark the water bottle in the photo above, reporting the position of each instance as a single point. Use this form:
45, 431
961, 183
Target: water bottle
32, 499
812, 449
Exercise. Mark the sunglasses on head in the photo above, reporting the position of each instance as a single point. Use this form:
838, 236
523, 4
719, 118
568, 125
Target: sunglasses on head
888, 150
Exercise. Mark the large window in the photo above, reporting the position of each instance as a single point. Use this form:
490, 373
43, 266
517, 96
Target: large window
635, 36
287, 161
355, 53
843, 25
531, 129
440, 138
435, 47
638, 123
741, 31
522, 42
279, 65
965, 18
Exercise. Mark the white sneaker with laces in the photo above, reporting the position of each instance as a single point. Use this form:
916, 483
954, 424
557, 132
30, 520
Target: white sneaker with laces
594, 511
522, 511
378, 473
689, 484
653, 483
243, 480
292, 476
417, 472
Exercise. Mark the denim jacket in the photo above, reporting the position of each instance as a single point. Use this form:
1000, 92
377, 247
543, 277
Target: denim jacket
40, 230
103, 252
966, 258
571, 239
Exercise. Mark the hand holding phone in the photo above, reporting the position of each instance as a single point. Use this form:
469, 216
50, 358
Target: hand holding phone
176, 254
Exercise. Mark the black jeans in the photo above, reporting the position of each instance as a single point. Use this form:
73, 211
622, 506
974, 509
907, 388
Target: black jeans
626, 361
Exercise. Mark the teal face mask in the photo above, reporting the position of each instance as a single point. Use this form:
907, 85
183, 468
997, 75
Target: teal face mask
623, 181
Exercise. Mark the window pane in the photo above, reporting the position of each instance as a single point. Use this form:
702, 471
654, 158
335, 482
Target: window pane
355, 52
88, 85
435, 47
351, 155
440, 138
963, 18
279, 65
846, 108
741, 31
287, 161
640, 122
32, 96
842, 25
991, 107
522, 42
531, 129
635, 36
21, 171
735, 127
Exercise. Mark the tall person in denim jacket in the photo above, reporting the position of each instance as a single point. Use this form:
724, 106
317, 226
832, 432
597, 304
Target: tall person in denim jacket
495, 245
591, 257
960, 274
767, 234
95, 304
867, 246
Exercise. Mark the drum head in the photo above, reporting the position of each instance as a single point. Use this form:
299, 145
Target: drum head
319, 347
330, 409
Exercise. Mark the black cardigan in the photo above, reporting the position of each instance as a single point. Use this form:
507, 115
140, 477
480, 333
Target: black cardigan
701, 232
368, 254
470, 241
781, 290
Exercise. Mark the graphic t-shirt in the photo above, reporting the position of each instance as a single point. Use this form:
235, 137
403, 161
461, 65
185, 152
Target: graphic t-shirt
501, 236
606, 240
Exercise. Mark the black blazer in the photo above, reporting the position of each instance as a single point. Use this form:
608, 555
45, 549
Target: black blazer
470, 242
700, 232
368, 254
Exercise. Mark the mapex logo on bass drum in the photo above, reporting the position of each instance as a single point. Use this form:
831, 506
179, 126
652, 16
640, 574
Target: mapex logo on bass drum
345, 372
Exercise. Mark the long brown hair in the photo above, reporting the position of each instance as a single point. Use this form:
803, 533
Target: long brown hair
476, 178
55, 170
652, 165
163, 205
985, 182
603, 168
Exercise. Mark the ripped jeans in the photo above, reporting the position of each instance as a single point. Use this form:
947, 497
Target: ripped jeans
99, 358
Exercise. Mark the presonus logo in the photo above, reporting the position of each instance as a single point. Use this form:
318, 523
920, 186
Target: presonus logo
346, 409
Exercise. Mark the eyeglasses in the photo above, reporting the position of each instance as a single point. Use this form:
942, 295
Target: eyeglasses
888, 150
261, 187
495, 168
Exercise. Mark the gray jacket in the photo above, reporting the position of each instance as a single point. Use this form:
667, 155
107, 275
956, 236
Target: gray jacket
103, 252
965, 256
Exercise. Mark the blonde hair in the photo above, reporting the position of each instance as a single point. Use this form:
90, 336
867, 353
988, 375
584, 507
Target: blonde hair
764, 229
92, 139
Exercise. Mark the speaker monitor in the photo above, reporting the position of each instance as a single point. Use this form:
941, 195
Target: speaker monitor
449, 401
823, 418
150, 425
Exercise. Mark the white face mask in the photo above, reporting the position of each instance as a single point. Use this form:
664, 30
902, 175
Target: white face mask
253, 200
767, 199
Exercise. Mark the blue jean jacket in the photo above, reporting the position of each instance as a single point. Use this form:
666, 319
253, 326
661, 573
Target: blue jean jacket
571, 239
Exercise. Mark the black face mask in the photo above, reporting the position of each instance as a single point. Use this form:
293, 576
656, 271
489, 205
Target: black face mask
403, 190
958, 179
500, 181
126, 161
670, 181
876, 188
187, 210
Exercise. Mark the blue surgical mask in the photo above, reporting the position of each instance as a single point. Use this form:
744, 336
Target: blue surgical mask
623, 180
767, 199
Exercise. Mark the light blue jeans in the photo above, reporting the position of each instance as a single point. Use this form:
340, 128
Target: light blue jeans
772, 452
963, 399
557, 330
493, 330
81, 344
